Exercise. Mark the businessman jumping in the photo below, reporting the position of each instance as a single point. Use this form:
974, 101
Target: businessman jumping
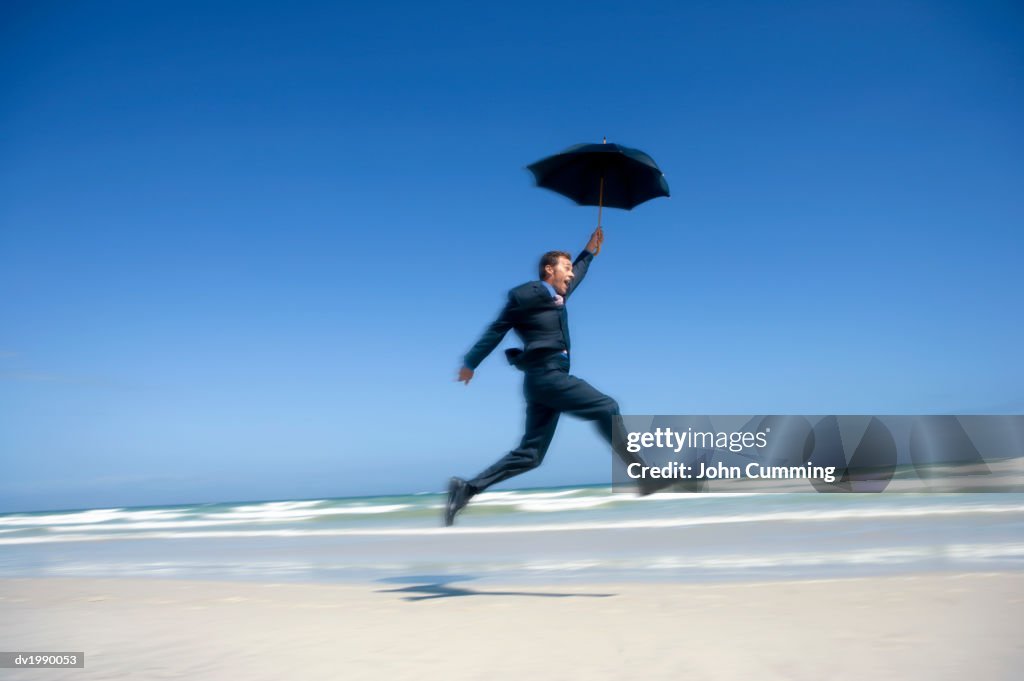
536, 311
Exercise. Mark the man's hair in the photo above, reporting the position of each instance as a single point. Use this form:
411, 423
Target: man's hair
551, 258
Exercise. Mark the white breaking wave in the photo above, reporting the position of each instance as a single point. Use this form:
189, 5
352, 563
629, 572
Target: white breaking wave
515, 497
715, 563
121, 520
580, 499
546, 503
868, 556
293, 511
220, 519
647, 523
100, 515
554, 505
249, 513
283, 505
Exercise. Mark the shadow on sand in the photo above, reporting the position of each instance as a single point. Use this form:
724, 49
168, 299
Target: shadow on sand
426, 587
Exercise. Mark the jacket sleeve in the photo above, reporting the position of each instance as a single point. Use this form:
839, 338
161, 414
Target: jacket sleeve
579, 269
492, 336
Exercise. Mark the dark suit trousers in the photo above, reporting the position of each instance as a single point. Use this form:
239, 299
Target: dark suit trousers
549, 391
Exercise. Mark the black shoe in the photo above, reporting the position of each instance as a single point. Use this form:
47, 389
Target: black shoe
651, 485
644, 485
458, 496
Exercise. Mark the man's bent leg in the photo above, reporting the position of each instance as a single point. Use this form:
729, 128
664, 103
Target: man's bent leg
577, 397
540, 428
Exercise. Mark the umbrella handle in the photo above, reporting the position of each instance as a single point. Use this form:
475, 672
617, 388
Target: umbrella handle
600, 191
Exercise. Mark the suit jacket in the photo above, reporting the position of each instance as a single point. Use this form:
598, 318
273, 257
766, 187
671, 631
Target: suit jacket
540, 324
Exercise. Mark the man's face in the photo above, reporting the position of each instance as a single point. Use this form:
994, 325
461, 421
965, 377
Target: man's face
560, 275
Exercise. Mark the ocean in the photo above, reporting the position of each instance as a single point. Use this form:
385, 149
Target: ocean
530, 535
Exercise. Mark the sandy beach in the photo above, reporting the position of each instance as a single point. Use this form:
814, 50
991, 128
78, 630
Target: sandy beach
905, 627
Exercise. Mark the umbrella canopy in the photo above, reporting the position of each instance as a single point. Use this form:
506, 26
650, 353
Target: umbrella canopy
602, 175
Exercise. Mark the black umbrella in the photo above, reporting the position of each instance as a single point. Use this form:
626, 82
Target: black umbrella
602, 175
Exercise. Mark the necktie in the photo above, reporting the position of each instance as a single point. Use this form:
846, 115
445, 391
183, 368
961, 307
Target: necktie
563, 321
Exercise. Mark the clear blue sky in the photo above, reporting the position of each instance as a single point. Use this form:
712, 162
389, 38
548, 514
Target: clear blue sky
243, 246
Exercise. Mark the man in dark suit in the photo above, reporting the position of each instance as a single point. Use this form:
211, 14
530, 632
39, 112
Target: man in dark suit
536, 311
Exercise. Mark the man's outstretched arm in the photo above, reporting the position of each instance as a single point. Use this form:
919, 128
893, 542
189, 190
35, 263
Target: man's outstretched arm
582, 262
488, 341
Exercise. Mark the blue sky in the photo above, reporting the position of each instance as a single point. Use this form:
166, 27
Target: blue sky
243, 246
